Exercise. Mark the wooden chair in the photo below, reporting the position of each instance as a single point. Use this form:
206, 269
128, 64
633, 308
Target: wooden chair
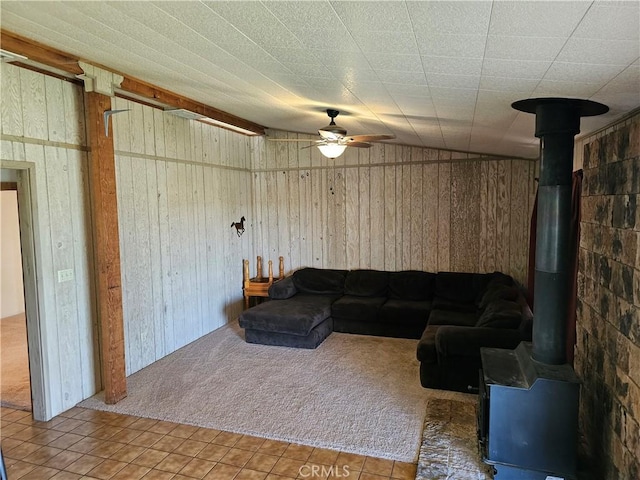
258, 286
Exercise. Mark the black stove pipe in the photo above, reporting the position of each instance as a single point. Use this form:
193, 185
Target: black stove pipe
557, 122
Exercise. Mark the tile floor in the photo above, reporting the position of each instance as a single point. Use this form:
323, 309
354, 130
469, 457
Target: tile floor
89, 444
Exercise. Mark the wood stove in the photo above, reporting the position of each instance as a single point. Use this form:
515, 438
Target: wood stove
528, 400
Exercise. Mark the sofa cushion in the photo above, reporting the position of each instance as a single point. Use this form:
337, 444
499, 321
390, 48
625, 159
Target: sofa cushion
440, 303
450, 317
297, 315
455, 286
501, 314
405, 312
282, 289
320, 281
364, 309
497, 291
426, 351
412, 285
366, 283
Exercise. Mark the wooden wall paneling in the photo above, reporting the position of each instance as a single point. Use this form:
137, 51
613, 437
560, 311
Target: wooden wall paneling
416, 219
465, 216
324, 208
406, 208
282, 219
317, 220
34, 104
78, 189
176, 235
148, 116
136, 122
294, 204
158, 132
503, 211
304, 205
389, 217
191, 267
221, 228
211, 249
397, 152
73, 100
11, 101
352, 215
430, 211
492, 206
519, 194
202, 283
377, 210
483, 254
444, 212
181, 245
364, 186
341, 228
170, 142
56, 117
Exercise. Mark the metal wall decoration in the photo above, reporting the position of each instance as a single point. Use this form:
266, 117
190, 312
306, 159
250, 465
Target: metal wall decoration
239, 226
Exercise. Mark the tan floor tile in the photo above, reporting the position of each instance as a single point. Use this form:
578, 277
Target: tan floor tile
106, 469
298, 452
190, 447
11, 429
87, 428
262, 462
146, 439
126, 436
173, 463
372, 476
378, 466
204, 435
85, 445
84, 464
27, 433
404, 471
40, 473
158, 475
23, 450
106, 449
183, 431
323, 456
64, 458
249, 442
46, 437
131, 472
42, 455
19, 468
352, 460
105, 432
213, 452
179, 476
68, 425
236, 457
222, 472
227, 439
168, 443
123, 421
9, 443
128, 454
66, 440
247, 474
344, 472
163, 427
288, 467
273, 447
66, 476
274, 476
150, 458
197, 468
143, 424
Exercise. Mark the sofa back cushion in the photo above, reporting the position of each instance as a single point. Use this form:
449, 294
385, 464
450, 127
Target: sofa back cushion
412, 285
366, 283
455, 286
501, 314
320, 281
497, 292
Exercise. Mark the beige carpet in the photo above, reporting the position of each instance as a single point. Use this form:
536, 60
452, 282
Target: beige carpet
354, 393
15, 389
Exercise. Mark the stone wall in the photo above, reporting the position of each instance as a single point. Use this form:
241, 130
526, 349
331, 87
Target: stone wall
607, 356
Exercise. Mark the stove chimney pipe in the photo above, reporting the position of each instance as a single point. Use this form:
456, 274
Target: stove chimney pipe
557, 122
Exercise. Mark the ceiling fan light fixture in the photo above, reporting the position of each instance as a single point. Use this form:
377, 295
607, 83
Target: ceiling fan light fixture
332, 150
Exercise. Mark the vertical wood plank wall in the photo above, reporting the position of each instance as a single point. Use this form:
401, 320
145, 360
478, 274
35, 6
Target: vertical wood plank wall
391, 207
181, 184
43, 123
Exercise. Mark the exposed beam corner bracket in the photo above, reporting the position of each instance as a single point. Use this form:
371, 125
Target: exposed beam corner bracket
99, 80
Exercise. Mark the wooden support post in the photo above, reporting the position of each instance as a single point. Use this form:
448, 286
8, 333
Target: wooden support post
102, 175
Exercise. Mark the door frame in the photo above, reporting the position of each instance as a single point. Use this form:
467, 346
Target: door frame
31, 272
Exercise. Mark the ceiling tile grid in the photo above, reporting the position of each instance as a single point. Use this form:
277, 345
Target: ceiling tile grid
434, 73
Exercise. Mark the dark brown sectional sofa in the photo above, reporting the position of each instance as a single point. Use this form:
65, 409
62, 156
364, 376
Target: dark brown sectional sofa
452, 314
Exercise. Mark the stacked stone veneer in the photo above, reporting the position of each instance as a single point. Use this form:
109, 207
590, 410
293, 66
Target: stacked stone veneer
607, 356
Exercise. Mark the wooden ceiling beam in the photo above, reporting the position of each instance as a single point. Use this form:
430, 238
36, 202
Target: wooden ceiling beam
45, 55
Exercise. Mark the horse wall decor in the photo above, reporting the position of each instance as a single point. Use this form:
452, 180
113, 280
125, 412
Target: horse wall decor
239, 226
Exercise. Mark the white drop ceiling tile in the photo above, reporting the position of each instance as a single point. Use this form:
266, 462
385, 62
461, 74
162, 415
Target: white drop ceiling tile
523, 48
406, 78
363, 16
610, 52
619, 21
385, 61
340, 41
306, 15
452, 65
508, 84
586, 73
453, 81
294, 55
496, 67
618, 102
350, 77
450, 17
466, 46
536, 19
381, 41
310, 70
408, 90
414, 106
554, 88
462, 95
491, 98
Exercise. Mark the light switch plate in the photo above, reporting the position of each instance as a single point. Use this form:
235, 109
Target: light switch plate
65, 275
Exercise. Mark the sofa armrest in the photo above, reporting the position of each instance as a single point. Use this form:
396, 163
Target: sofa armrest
467, 341
282, 289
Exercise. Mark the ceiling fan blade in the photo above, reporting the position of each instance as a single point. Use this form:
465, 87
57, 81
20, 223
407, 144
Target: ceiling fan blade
328, 135
359, 144
310, 146
368, 138
291, 139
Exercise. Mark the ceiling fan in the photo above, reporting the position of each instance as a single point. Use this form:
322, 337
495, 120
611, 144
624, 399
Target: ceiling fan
335, 140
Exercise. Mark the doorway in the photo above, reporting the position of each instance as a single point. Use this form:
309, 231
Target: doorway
15, 383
